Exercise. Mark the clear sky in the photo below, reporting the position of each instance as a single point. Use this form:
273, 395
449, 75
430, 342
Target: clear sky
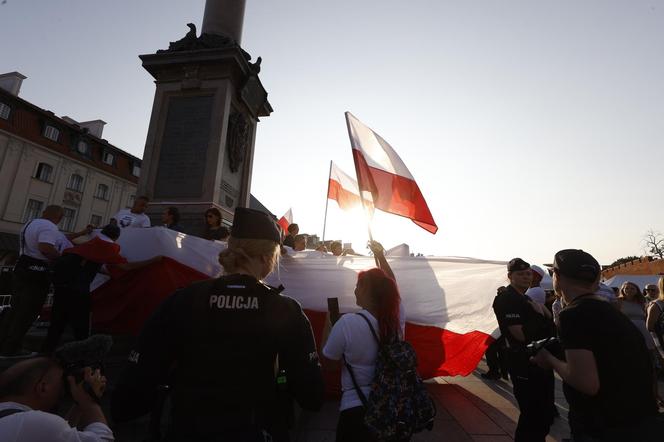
529, 126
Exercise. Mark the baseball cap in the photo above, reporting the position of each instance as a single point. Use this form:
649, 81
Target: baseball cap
576, 264
254, 224
517, 264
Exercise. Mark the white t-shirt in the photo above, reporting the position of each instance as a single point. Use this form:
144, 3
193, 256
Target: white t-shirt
352, 338
537, 294
37, 426
41, 230
126, 218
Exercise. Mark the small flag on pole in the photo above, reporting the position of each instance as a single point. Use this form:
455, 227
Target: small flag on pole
286, 220
381, 172
343, 189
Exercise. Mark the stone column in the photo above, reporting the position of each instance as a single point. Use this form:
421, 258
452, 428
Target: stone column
224, 17
208, 99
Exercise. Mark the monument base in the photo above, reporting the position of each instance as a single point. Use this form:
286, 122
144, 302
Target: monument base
192, 215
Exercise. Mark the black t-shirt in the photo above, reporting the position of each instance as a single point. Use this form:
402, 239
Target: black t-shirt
513, 308
623, 363
289, 241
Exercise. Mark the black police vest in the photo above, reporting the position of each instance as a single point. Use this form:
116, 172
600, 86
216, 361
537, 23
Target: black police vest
225, 374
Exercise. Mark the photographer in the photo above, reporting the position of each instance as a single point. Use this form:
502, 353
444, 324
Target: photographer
522, 321
607, 372
30, 390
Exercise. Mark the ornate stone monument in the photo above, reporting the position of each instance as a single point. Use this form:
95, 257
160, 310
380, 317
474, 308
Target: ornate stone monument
200, 143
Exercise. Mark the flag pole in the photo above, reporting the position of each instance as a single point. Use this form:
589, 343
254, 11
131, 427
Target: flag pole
327, 200
357, 175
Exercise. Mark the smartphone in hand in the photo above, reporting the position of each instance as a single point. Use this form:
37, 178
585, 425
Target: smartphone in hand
333, 308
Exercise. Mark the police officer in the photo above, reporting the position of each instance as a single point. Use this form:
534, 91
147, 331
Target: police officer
220, 344
522, 321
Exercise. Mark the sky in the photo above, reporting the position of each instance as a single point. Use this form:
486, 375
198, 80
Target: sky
529, 126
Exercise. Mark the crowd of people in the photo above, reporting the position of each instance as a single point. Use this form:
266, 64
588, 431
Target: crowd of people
232, 352
600, 342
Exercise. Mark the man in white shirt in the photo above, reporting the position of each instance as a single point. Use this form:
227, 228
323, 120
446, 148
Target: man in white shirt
31, 388
41, 243
134, 217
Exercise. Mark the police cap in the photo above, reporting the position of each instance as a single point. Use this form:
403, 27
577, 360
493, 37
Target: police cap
517, 264
576, 264
254, 224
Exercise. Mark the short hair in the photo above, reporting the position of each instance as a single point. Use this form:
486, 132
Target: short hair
336, 244
53, 210
112, 231
20, 378
293, 227
299, 237
175, 213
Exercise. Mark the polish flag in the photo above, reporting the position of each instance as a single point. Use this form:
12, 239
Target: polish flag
343, 189
286, 220
381, 172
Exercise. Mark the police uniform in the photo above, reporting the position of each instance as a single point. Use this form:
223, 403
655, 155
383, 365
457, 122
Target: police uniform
533, 387
219, 344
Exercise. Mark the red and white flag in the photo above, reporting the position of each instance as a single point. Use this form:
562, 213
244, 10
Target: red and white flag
343, 189
381, 172
286, 220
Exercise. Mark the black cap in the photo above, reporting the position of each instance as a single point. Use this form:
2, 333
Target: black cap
577, 264
517, 264
254, 224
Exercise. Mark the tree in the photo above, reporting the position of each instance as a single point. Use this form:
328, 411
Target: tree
653, 243
624, 260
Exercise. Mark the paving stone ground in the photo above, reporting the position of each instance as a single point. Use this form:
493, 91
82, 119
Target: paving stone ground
469, 408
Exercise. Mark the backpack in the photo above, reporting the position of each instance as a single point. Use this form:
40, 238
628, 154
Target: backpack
398, 404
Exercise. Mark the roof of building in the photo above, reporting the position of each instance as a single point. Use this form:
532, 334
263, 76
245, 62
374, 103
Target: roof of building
27, 120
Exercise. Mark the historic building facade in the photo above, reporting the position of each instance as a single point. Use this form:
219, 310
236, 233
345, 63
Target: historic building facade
45, 159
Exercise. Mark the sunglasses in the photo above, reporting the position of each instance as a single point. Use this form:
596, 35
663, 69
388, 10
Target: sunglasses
650, 290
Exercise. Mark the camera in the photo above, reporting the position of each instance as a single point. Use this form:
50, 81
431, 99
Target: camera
552, 344
74, 357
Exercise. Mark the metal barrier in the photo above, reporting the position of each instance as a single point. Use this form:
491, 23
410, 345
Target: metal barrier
6, 296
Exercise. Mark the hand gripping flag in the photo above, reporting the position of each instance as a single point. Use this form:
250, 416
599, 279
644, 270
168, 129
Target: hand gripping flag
381, 172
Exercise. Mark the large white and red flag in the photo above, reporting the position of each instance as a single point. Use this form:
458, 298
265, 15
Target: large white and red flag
286, 220
343, 189
446, 300
381, 172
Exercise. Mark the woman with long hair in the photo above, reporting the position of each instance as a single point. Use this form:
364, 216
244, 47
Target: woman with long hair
655, 311
213, 228
352, 341
633, 304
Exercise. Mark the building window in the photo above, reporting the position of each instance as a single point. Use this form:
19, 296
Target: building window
102, 192
108, 158
33, 210
51, 133
82, 147
130, 201
95, 220
68, 220
136, 170
44, 172
4, 111
75, 183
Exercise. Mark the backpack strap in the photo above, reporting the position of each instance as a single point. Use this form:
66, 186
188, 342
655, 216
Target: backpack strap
9, 412
373, 332
360, 393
